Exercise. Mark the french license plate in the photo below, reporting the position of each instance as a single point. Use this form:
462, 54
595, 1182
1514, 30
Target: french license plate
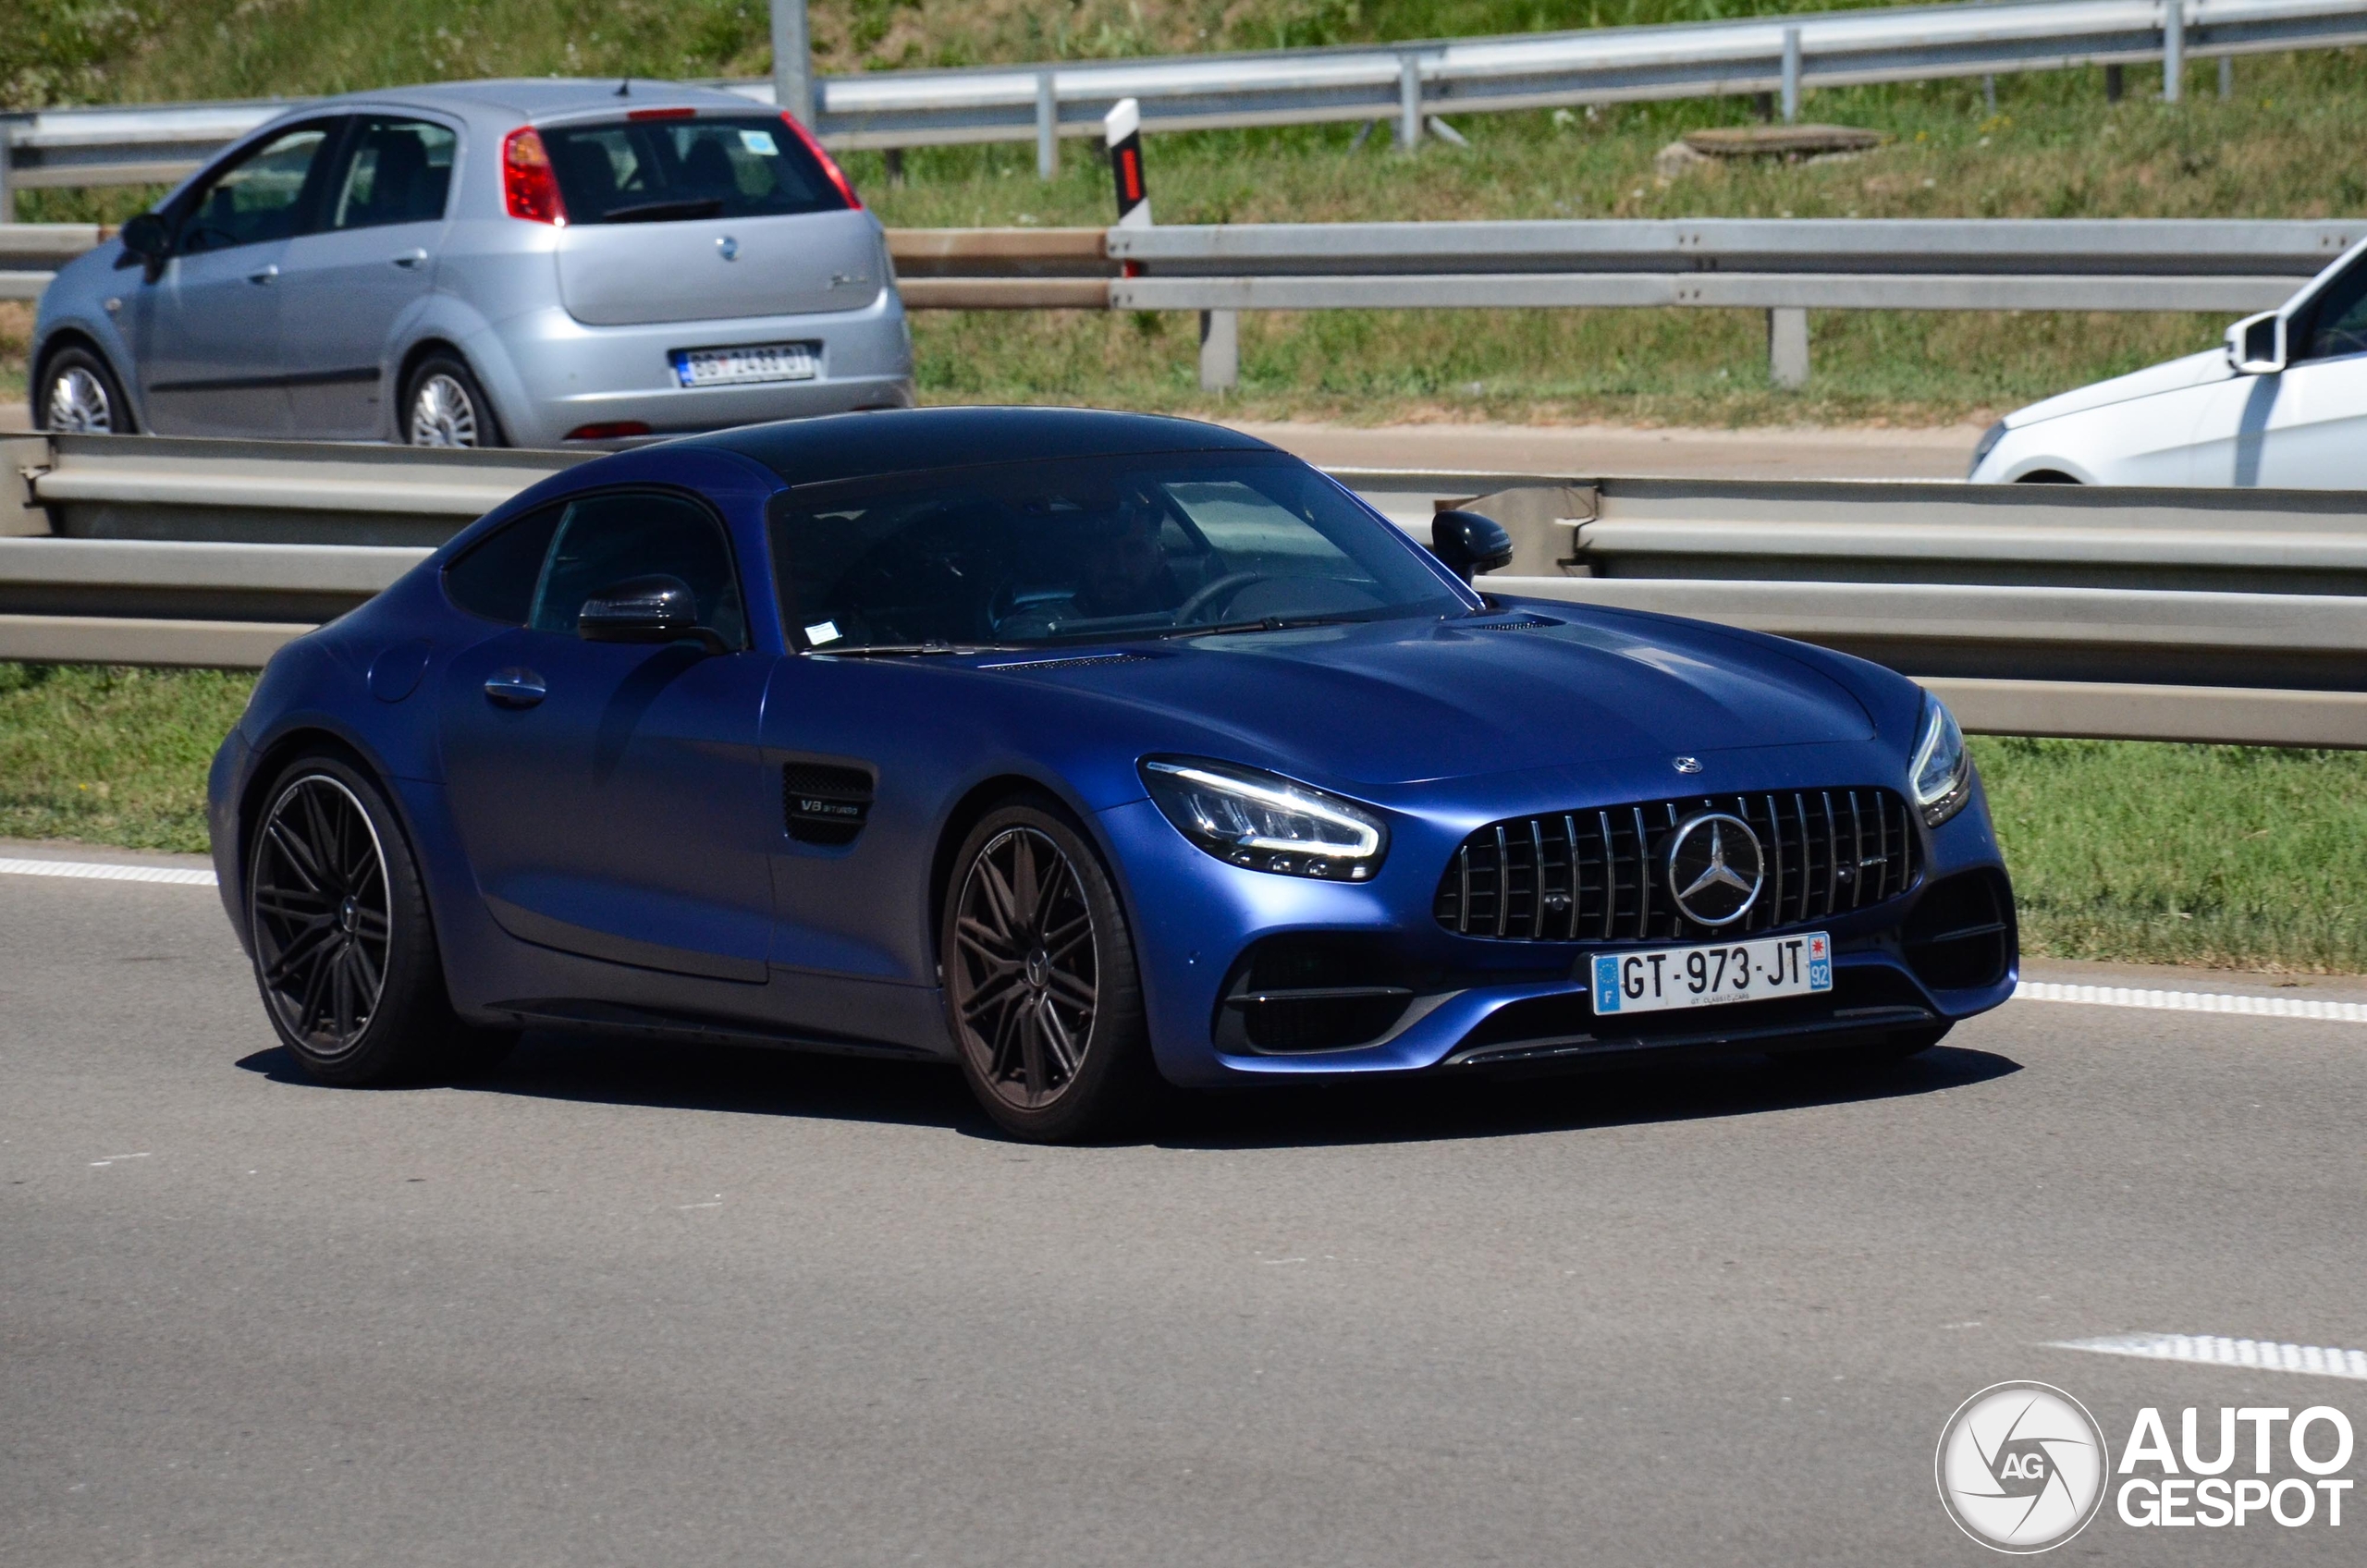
732, 367
1713, 975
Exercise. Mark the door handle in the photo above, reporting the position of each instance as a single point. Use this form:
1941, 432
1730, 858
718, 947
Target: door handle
410, 258
515, 688
267, 275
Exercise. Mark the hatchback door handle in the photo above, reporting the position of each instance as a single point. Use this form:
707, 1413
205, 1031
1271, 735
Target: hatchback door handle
267, 275
516, 688
410, 258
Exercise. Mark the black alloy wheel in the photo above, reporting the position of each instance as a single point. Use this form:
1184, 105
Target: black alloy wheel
1041, 989
344, 954
322, 922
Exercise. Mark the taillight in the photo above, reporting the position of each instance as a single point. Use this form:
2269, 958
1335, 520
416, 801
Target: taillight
837, 176
615, 429
528, 182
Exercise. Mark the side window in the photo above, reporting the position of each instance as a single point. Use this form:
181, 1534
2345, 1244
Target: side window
496, 577
608, 539
2337, 323
260, 197
392, 171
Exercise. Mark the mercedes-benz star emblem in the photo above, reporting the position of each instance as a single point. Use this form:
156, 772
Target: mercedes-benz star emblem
1685, 764
1714, 868
728, 248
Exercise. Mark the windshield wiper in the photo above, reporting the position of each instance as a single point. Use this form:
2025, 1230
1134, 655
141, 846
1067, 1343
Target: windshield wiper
867, 649
1270, 623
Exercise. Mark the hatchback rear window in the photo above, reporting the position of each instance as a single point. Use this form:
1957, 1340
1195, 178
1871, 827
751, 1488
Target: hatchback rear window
662, 171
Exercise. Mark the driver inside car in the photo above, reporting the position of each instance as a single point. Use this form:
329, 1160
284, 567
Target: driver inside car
1125, 572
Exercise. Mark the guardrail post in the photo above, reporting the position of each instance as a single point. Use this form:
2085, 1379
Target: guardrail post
2112, 84
1220, 351
2226, 76
8, 188
1788, 347
1410, 101
2173, 50
1989, 93
793, 61
1048, 127
1791, 74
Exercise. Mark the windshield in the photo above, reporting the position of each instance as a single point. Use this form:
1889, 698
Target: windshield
664, 170
1087, 549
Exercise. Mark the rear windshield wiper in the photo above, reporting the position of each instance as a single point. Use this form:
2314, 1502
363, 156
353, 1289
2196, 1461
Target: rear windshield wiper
663, 211
1270, 623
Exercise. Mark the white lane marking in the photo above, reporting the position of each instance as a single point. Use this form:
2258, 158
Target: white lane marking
2191, 1001
2214, 1349
105, 873
113, 1157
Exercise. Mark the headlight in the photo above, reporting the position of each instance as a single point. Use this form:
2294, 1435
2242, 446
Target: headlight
1988, 444
1942, 772
1265, 822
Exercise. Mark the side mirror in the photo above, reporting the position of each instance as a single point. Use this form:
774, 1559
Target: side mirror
2256, 344
645, 609
1469, 543
146, 236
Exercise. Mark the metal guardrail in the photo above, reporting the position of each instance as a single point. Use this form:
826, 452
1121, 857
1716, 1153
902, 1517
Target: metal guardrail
1786, 266
2227, 616
1410, 83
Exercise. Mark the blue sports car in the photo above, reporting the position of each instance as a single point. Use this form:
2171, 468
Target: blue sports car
1089, 751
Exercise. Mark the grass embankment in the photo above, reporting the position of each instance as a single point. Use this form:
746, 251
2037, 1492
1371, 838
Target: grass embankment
2224, 855
2054, 148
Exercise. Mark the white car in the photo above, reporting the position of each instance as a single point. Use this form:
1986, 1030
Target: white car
2284, 404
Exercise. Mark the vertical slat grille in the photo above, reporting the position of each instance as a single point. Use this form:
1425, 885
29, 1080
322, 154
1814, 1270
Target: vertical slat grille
1595, 875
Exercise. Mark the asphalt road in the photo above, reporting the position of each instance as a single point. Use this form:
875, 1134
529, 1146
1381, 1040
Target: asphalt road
636, 1306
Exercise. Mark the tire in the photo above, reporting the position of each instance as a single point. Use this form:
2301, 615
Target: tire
78, 394
444, 406
1867, 1056
1042, 994
344, 952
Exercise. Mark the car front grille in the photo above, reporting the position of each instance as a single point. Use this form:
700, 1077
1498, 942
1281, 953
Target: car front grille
1598, 875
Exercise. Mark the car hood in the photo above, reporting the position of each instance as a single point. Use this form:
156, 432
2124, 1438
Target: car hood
1402, 702
2195, 370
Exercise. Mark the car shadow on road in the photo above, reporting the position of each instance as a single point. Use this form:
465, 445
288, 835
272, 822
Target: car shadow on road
743, 1082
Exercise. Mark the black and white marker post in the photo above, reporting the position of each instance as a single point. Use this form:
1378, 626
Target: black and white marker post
1122, 130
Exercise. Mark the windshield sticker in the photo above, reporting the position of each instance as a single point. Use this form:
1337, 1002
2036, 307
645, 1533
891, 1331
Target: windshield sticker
760, 142
822, 632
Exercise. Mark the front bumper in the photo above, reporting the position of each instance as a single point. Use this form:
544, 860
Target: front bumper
559, 374
1481, 1004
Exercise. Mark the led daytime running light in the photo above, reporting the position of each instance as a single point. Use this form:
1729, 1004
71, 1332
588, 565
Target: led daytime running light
1368, 836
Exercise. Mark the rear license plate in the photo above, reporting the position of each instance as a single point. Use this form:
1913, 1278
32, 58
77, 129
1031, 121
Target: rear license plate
1711, 976
732, 367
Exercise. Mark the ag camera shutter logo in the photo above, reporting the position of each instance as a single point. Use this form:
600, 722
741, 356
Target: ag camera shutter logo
2021, 1468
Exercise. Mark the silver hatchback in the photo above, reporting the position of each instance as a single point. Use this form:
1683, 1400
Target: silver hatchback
527, 264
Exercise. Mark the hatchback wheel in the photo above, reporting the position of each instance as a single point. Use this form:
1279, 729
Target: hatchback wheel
344, 953
79, 395
1041, 988
443, 406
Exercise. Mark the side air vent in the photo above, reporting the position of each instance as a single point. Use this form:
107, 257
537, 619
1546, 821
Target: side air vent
825, 804
1962, 931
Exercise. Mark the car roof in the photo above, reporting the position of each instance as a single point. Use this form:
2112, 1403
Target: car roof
894, 441
537, 98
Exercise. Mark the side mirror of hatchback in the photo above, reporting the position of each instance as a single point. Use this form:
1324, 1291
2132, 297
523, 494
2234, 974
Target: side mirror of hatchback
1469, 543
645, 609
2256, 344
148, 239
